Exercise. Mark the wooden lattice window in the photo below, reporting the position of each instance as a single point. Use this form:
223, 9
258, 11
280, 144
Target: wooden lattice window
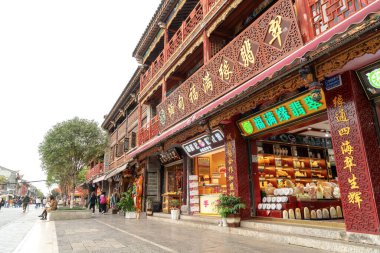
120, 148
126, 144
133, 139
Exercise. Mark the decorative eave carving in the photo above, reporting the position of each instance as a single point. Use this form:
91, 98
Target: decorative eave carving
132, 87
368, 46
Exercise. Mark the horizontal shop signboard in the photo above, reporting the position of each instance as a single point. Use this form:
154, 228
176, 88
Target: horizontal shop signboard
169, 156
204, 144
283, 113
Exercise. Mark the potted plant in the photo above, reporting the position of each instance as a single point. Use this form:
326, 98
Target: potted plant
127, 204
149, 207
229, 207
174, 209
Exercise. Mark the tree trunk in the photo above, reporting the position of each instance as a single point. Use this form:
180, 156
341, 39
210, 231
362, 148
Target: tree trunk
72, 194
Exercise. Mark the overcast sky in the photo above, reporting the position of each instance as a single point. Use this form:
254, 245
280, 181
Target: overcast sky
58, 60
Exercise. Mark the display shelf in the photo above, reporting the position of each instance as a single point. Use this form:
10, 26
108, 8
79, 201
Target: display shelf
303, 165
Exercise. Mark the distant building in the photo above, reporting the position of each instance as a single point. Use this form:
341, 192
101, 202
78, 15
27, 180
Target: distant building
11, 181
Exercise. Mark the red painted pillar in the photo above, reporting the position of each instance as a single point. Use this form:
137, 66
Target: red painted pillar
356, 154
166, 42
139, 124
304, 20
206, 48
163, 89
237, 166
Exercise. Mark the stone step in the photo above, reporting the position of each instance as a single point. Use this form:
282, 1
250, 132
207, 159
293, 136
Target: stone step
207, 219
327, 230
332, 245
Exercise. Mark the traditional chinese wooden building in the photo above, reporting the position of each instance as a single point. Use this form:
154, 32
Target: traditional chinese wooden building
273, 101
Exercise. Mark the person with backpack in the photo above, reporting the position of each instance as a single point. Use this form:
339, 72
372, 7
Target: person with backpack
103, 202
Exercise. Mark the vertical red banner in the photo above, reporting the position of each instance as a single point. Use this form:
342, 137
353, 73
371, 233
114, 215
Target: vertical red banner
357, 195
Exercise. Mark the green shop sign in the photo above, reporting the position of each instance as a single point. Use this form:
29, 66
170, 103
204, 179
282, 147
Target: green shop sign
281, 114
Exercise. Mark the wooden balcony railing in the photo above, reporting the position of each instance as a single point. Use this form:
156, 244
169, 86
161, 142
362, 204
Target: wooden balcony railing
316, 16
94, 171
188, 25
211, 4
148, 131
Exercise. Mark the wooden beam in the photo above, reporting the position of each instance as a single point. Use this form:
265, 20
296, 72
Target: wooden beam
206, 48
221, 35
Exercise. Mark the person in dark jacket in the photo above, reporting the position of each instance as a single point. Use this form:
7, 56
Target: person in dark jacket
25, 203
92, 202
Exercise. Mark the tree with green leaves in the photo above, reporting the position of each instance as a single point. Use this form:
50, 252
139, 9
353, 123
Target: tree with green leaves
68, 147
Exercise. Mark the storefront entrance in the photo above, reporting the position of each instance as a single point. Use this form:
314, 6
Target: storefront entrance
296, 174
211, 171
293, 163
207, 178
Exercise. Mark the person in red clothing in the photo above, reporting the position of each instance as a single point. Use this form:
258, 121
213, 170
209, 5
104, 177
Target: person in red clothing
103, 202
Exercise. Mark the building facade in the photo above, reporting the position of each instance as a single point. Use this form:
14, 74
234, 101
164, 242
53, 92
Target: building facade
276, 102
9, 187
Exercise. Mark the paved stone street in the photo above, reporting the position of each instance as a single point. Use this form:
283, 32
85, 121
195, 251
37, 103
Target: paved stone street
14, 226
113, 233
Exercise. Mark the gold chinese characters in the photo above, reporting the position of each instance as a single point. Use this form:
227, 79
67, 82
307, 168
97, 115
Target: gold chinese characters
225, 71
348, 151
207, 83
247, 54
275, 30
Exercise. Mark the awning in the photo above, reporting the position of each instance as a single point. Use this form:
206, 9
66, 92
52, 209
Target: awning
98, 179
116, 171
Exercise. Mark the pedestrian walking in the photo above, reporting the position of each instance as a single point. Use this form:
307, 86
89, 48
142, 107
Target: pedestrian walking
103, 202
25, 203
1, 203
38, 202
92, 202
44, 201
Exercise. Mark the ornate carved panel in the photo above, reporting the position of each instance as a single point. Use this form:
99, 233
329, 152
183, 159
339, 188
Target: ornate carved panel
368, 46
359, 205
286, 86
271, 94
267, 40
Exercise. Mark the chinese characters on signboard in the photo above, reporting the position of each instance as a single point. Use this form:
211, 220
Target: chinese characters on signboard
169, 156
347, 150
239, 61
294, 109
230, 166
205, 143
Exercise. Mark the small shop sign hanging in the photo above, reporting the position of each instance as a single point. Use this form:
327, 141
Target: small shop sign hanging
205, 143
292, 110
169, 156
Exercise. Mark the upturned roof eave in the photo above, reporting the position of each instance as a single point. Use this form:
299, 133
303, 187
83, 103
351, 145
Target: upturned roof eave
133, 82
152, 29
